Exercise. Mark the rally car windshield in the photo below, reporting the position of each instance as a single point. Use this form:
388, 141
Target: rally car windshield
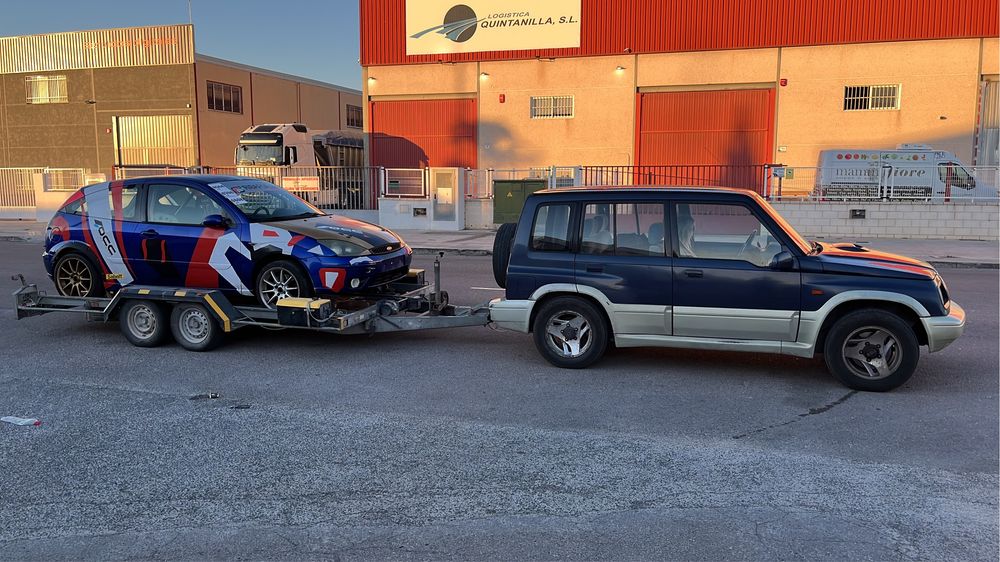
261, 201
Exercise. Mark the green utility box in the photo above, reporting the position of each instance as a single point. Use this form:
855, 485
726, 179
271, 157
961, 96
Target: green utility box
509, 196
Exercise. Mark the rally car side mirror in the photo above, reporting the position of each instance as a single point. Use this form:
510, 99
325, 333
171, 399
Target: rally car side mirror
216, 221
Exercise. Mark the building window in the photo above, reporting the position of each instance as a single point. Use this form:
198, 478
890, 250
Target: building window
354, 119
551, 107
46, 89
871, 98
224, 97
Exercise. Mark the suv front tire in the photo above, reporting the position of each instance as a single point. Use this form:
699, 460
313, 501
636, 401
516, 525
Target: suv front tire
871, 349
570, 332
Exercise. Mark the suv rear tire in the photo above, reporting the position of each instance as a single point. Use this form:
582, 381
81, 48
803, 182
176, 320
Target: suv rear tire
570, 332
502, 244
873, 350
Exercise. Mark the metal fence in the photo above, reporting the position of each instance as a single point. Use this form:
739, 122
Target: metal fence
941, 183
751, 177
17, 188
327, 187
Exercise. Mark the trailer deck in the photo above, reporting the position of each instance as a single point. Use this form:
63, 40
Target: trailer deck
409, 304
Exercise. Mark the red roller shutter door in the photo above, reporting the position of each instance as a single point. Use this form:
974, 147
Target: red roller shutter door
707, 128
422, 133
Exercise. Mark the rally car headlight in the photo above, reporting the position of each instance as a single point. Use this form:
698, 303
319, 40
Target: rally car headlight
344, 248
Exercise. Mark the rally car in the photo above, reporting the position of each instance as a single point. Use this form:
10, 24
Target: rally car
242, 235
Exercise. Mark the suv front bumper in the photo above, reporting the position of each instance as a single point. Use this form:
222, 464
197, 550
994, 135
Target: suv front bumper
942, 330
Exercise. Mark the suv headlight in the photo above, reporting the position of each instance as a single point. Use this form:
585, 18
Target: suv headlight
344, 248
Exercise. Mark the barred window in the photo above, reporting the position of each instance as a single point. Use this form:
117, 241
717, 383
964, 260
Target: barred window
354, 119
224, 97
551, 107
46, 89
871, 98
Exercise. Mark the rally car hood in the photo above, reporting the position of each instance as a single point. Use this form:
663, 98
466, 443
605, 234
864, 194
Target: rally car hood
859, 260
333, 227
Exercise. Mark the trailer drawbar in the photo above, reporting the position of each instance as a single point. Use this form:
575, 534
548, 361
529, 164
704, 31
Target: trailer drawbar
198, 319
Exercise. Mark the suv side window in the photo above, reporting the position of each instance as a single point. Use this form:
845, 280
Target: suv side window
180, 204
550, 233
623, 229
723, 232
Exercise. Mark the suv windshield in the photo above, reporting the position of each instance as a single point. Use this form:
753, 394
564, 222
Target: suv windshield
261, 201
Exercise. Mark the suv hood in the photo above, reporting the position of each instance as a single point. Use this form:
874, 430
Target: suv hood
859, 260
333, 227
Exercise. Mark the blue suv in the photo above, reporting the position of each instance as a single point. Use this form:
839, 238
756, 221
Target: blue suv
711, 269
242, 235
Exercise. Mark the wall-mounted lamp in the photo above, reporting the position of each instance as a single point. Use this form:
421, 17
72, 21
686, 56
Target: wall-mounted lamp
619, 68
90, 102
371, 79
483, 75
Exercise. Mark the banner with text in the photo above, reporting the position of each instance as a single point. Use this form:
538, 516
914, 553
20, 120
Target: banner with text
444, 26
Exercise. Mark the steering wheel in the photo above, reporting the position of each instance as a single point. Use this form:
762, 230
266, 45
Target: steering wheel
747, 245
257, 211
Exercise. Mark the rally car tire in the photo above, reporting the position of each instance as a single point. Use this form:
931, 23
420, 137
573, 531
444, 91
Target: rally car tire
502, 244
194, 327
76, 274
144, 323
886, 338
281, 279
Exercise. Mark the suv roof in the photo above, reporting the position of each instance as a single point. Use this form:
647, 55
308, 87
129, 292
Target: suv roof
633, 190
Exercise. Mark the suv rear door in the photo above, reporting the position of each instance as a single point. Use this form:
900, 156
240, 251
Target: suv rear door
723, 285
622, 254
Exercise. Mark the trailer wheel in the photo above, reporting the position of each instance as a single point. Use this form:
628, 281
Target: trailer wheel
194, 327
144, 323
502, 244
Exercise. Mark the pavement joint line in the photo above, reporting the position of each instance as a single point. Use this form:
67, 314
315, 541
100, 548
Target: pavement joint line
471, 424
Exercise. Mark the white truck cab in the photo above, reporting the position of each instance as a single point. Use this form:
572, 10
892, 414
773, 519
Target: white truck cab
294, 144
911, 171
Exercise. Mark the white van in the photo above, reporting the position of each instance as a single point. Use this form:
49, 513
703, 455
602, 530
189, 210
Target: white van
912, 171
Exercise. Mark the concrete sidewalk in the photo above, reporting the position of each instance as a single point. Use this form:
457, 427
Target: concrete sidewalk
940, 253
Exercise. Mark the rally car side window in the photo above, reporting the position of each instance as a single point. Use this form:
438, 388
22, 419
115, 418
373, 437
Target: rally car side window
180, 204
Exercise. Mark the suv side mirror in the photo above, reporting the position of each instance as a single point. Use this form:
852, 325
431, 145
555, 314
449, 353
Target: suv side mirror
782, 261
216, 221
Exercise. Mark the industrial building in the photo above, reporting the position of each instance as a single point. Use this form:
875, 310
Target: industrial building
517, 84
140, 96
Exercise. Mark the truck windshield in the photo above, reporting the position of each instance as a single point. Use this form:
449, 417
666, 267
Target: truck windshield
261, 201
259, 154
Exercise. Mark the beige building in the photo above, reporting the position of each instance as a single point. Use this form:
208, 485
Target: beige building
615, 93
142, 96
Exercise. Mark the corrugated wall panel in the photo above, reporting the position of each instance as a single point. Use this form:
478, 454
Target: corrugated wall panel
154, 139
422, 133
655, 26
105, 48
711, 128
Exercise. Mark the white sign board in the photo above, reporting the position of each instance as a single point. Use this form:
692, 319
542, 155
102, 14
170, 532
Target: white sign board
300, 183
469, 26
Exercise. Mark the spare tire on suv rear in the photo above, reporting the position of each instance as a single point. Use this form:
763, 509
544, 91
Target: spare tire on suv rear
502, 244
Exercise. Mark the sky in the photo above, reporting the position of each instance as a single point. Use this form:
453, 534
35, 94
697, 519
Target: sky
316, 39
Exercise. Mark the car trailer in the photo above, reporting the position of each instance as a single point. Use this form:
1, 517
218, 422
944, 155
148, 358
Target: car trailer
198, 319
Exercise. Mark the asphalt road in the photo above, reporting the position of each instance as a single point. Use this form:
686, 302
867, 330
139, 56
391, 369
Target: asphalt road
465, 444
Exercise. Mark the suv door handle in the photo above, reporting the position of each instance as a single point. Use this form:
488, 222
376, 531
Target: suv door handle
150, 233
694, 273
595, 268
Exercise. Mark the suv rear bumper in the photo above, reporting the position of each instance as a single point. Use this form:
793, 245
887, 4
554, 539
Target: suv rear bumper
942, 330
511, 314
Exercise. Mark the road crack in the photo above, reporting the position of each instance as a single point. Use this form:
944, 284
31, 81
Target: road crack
812, 412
